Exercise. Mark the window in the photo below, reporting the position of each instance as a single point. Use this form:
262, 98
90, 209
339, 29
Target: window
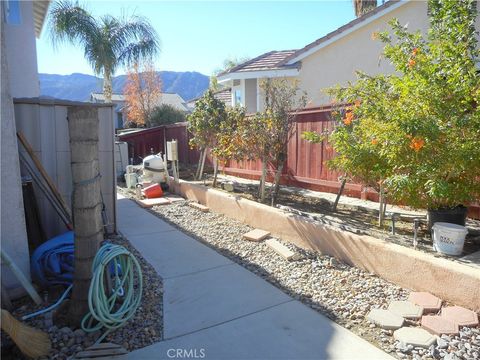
238, 97
11, 11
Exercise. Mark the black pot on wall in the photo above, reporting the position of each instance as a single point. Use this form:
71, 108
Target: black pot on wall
456, 215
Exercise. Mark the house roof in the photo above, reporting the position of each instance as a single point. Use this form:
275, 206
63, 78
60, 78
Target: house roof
267, 61
224, 95
40, 9
353, 25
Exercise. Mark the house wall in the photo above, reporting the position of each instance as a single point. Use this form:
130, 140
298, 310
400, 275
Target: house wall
13, 231
45, 126
21, 54
251, 95
338, 62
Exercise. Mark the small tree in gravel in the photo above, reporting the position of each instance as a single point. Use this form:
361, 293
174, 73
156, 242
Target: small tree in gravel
228, 145
205, 123
266, 134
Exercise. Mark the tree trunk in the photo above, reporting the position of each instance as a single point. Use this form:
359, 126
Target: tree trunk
215, 171
203, 163
263, 179
86, 203
197, 173
278, 174
107, 86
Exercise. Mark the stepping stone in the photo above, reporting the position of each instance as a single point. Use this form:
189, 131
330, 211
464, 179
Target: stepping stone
385, 319
148, 203
406, 309
429, 302
460, 316
198, 206
282, 250
439, 325
102, 351
174, 198
414, 336
256, 235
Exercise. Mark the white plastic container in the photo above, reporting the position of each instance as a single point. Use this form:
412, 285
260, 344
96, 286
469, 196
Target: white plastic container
449, 238
131, 180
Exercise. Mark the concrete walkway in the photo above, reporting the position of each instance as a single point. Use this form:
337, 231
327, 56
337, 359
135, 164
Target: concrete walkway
216, 309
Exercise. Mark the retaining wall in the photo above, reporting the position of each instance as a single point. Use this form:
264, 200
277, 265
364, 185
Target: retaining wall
412, 269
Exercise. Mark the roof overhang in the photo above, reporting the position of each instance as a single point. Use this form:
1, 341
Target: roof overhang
302, 55
258, 74
40, 9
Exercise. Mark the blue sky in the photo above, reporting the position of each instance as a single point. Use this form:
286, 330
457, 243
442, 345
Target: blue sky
199, 35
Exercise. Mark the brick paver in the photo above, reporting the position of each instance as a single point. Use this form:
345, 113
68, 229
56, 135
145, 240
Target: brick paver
429, 302
460, 315
439, 325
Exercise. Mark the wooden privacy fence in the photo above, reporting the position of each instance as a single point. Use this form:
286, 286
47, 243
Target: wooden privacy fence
306, 164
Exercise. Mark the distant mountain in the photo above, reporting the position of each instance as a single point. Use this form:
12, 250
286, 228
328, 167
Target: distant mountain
78, 87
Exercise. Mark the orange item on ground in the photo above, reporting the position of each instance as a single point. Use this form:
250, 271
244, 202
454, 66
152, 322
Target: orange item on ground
153, 191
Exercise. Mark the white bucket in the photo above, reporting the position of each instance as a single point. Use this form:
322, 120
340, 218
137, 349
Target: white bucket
449, 238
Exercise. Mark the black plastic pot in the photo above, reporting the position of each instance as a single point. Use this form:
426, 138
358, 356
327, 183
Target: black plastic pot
456, 215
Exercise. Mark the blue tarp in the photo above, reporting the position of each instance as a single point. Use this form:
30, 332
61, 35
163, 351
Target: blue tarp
52, 262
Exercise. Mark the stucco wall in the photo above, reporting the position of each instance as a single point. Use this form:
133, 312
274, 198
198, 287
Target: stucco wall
22, 54
13, 232
338, 62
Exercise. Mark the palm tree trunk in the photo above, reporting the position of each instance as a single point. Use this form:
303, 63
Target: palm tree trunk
107, 85
86, 203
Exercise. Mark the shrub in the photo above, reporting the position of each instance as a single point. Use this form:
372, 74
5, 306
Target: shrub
166, 114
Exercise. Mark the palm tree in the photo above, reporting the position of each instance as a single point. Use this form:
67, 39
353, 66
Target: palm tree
108, 42
363, 6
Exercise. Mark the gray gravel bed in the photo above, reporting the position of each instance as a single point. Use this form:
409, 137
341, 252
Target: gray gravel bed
145, 328
343, 293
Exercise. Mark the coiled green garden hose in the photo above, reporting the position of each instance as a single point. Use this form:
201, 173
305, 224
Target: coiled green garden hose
112, 309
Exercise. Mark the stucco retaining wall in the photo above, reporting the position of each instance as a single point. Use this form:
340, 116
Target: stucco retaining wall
451, 281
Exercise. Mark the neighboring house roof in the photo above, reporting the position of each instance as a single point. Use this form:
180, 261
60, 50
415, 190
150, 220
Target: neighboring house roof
344, 30
99, 97
270, 64
224, 95
267, 61
172, 99
40, 9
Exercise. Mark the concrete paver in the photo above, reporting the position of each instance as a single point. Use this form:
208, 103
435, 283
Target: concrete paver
198, 206
256, 235
406, 309
282, 250
429, 302
414, 336
385, 319
460, 315
216, 309
439, 325
149, 203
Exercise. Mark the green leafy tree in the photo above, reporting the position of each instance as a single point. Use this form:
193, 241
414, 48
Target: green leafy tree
265, 135
166, 114
108, 42
418, 129
204, 123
